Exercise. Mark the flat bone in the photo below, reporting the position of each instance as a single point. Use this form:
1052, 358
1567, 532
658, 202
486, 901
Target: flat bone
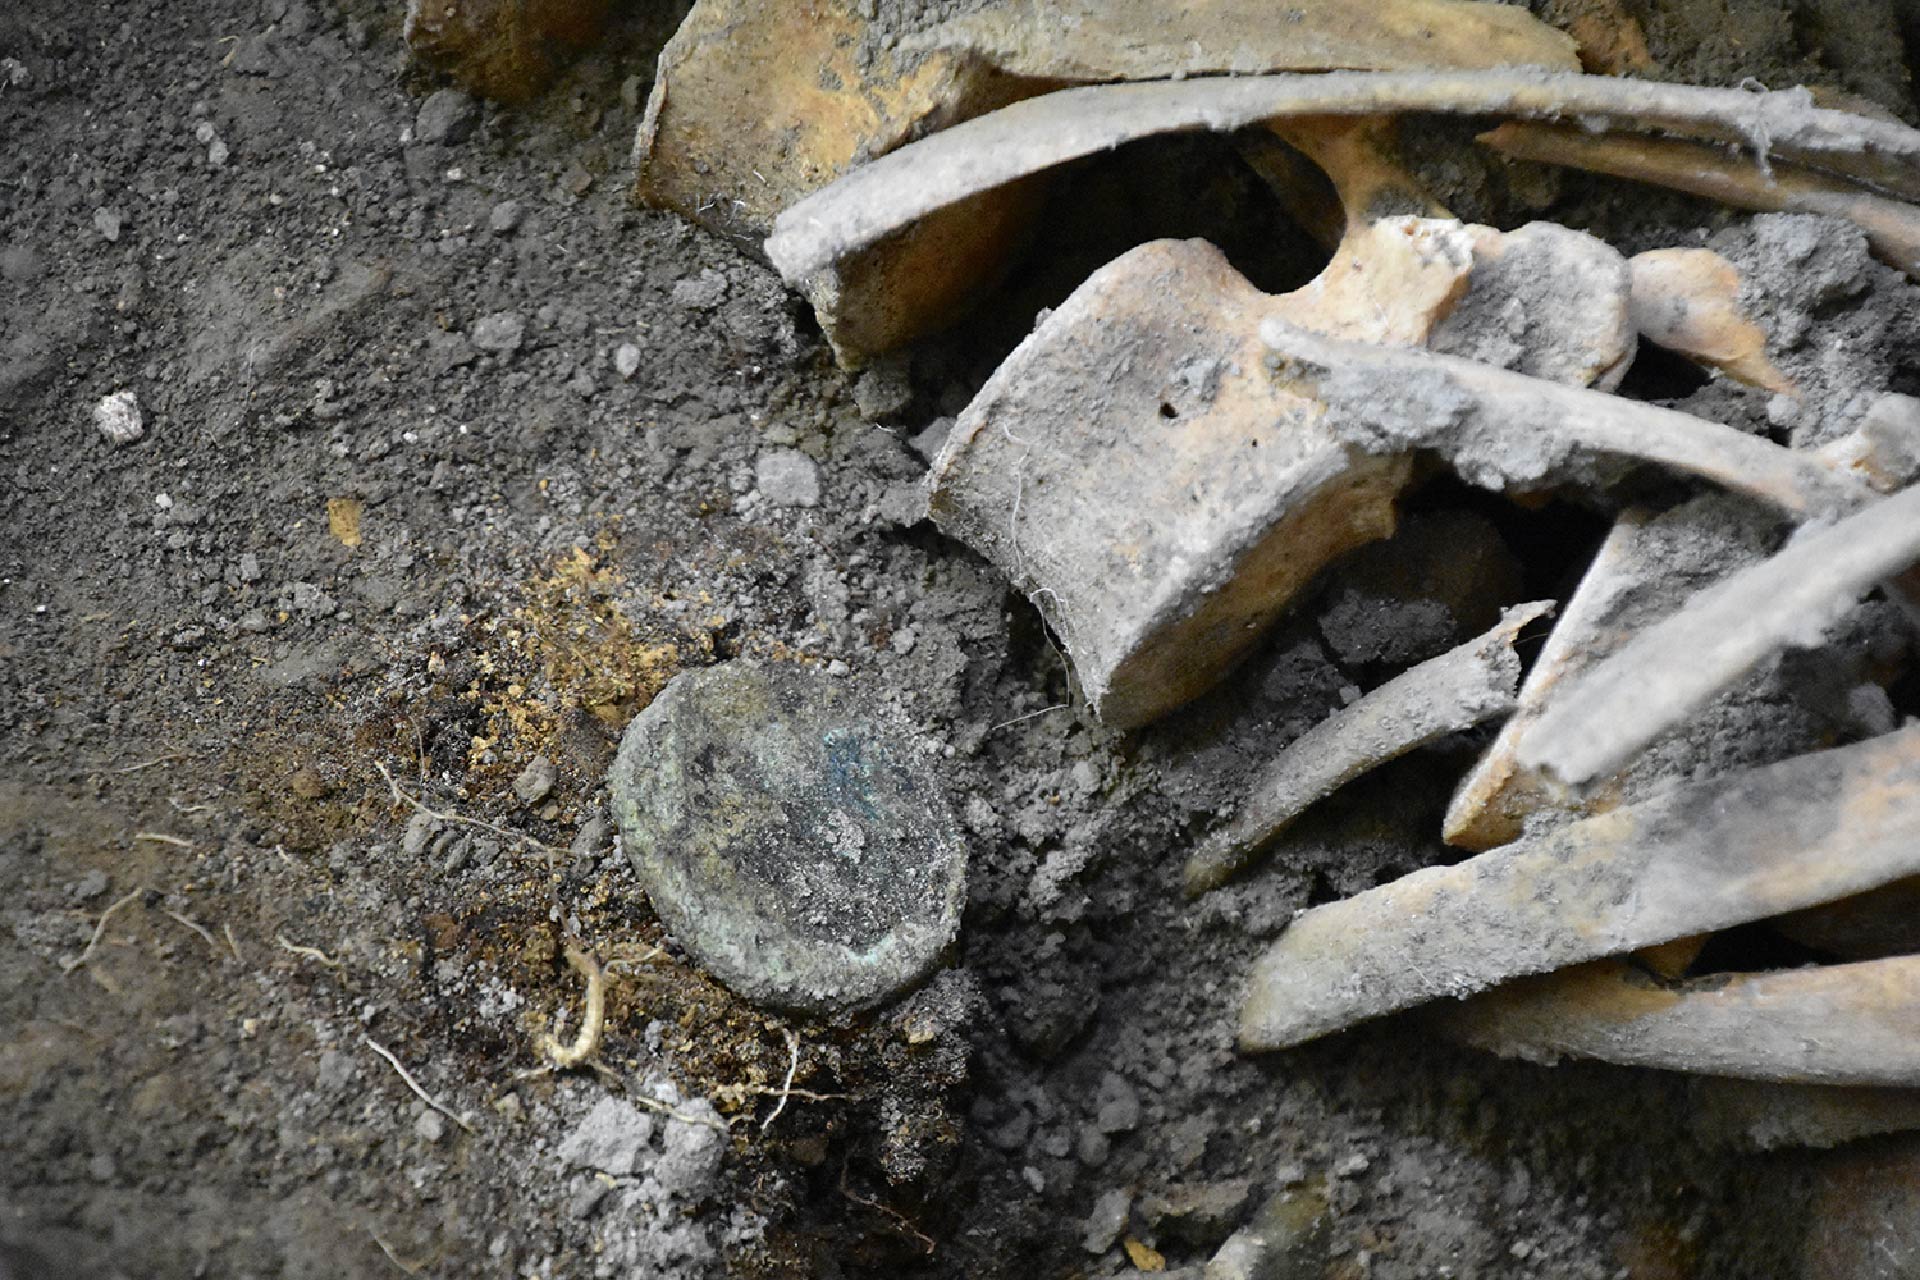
1892, 227
1850, 1024
904, 186
1503, 430
1457, 690
1668, 671
1692, 859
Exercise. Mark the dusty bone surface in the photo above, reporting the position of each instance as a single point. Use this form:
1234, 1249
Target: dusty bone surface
1809, 830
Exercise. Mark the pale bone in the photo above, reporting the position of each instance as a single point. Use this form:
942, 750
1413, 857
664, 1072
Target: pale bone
1668, 671
1463, 687
1850, 1024
1688, 860
1688, 301
1131, 468
908, 184
1762, 1115
1507, 430
1892, 227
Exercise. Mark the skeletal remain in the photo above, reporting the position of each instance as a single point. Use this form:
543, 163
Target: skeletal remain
1868, 926
1688, 860
1457, 690
1640, 574
900, 188
755, 105
1841, 1024
1133, 470
1668, 671
1505, 430
1764, 1115
1688, 300
1892, 226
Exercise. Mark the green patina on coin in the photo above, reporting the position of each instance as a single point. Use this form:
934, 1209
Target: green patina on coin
796, 842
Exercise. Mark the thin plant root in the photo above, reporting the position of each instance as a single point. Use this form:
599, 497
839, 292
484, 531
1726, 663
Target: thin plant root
1686, 861
401, 797
413, 1084
100, 929
1670, 670
1457, 690
586, 1043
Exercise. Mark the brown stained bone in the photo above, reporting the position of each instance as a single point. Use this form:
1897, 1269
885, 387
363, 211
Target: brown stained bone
1689, 860
1505, 430
1104, 40
1688, 301
897, 190
1850, 1024
1892, 226
1131, 468
1668, 671
508, 50
756, 105
1765, 1116
1457, 690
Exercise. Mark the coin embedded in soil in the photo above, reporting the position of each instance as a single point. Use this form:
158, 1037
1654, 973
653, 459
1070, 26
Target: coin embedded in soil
792, 838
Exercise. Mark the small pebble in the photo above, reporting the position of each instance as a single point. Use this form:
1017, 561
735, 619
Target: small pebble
119, 419
107, 222
501, 333
535, 781
504, 218
447, 117
787, 478
626, 360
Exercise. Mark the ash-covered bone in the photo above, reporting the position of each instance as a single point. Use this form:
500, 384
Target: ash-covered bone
1457, 690
1689, 860
1891, 226
904, 186
1848, 1024
1668, 671
1504, 430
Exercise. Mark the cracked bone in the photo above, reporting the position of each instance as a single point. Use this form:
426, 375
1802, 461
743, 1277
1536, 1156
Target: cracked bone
1463, 687
1849, 1024
1135, 472
1688, 860
878, 199
1669, 670
1503, 430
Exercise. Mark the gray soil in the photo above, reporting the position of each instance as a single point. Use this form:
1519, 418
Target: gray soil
285, 889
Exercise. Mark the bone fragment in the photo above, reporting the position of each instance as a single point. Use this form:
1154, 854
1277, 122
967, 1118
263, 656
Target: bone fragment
1457, 690
1102, 40
1868, 926
1692, 859
1506, 430
1668, 671
1688, 300
1850, 1024
1765, 1116
904, 186
1641, 574
1892, 226
1131, 468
